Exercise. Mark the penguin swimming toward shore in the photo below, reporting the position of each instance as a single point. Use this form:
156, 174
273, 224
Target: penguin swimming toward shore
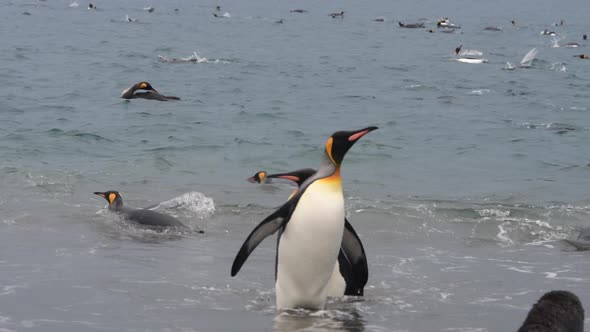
312, 224
150, 93
144, 217
411, 25
352, 269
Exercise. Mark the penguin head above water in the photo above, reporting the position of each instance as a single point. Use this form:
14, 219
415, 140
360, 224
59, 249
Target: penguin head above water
144, 86
258, 177
113, 197
341, 141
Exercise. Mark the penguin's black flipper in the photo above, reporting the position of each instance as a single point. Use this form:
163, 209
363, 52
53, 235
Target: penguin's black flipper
267, 227
353, 261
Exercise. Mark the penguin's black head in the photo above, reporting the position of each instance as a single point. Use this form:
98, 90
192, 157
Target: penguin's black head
113, 197
258, 177
299, 176
145, 86
458, 49
339, 143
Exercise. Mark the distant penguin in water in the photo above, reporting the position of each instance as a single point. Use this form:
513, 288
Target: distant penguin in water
150, 93
312, 225
492, 28
217, 13
459, 51
144, 217
513, 22
556, 311
334, 15
583, 240
352, 272
582, 56
300, 11
585, 37
548, 33
411, 25
446, 24
91, 6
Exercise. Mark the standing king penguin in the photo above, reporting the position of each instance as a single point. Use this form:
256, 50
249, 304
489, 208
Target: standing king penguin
312, 223
352, 271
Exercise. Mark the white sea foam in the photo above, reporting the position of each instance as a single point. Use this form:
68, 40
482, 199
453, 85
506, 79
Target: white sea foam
194, 58
193, 201
480, 92
494, 213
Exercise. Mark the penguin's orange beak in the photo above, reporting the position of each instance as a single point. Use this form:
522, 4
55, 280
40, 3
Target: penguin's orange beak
356, 136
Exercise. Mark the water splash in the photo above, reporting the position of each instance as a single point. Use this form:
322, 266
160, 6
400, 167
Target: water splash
194, 58
193, 201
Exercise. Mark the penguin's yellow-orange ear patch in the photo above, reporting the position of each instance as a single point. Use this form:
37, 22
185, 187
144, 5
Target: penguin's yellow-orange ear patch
329, 148
143, 85
112, 198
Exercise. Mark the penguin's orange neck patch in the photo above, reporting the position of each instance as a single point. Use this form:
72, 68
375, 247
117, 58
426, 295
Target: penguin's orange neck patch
333, 179
112, 198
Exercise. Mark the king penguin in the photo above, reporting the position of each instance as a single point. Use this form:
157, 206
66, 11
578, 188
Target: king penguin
312, 224
144, 217
352, 271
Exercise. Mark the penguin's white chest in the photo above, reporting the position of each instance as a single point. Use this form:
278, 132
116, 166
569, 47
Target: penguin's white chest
309, 246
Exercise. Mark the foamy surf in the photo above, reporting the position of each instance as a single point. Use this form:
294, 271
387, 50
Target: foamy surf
194, 58
193, 201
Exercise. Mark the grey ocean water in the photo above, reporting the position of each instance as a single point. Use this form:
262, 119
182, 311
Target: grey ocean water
462, 198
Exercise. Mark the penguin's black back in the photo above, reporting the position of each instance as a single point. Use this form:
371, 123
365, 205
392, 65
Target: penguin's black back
152, 218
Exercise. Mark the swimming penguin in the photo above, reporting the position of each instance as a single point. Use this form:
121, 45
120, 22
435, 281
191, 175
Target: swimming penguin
129, 19
145, 217
460, 51
217, 13
583, 240
352, 268
411, 25
312, 224
151, 93
492, 28
556, 311
91, 6
582, 56
585, 37
334, 15
300, 11
446, 24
